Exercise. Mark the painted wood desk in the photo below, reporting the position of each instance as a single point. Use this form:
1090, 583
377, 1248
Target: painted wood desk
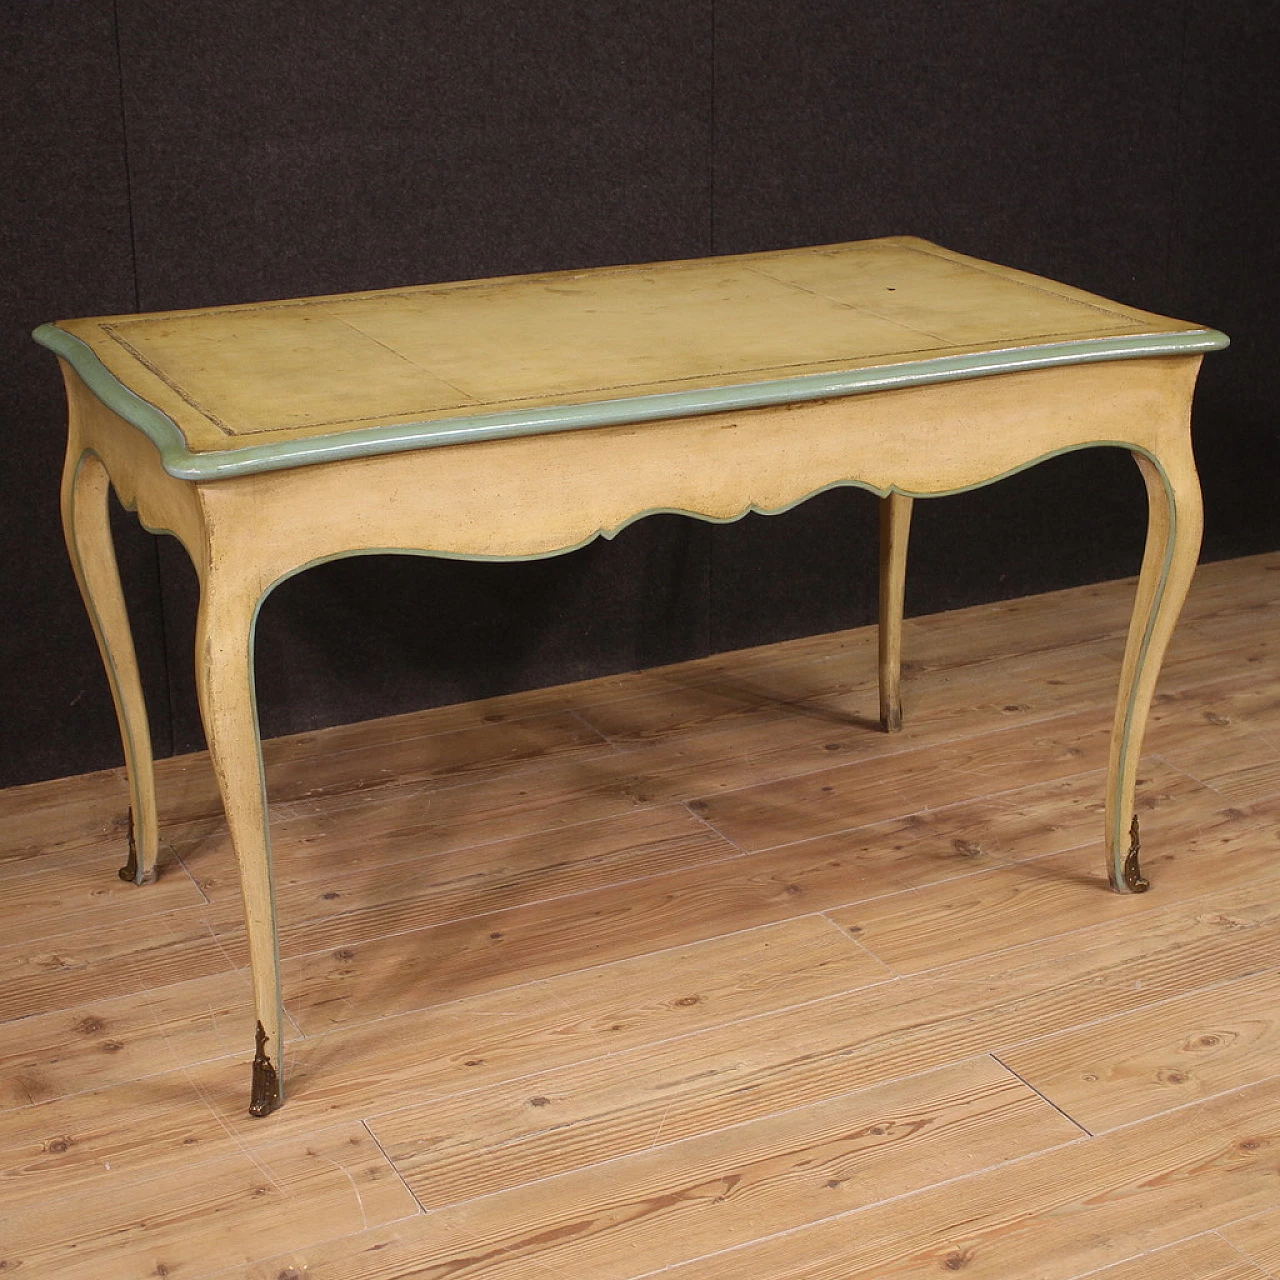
522, 417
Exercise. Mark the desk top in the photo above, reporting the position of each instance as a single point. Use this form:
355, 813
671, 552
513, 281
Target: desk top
233, 390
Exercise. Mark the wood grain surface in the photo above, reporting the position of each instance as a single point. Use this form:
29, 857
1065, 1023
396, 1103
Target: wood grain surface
692, 972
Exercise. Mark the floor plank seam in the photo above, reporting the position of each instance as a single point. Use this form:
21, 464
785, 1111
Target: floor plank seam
141, 920
828, 766
702, 1134
323, 876
345, 797
704, 821
182, 1067
658, 951
222, 948
606, 739
1145, 1253
1191, 1103
136, 992
391, 1164
424, 860
495, 840
176, 857
891, 746
1177, 768
686, 805
933, 810
996, 952
848, 937
622, 750
1244, 1257
503, 718
1091, 1023
236, 1141
657, 1043
755, 707
941, 810
255, 1154
109, 851
960, 876
929, 1189
1207, 783
1066, 1115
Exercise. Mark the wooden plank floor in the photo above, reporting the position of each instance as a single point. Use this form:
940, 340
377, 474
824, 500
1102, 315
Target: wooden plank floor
690, 972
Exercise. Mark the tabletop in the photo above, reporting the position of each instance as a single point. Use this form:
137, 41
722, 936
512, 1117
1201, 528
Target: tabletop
232, 390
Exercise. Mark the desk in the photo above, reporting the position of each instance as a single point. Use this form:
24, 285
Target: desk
523, 417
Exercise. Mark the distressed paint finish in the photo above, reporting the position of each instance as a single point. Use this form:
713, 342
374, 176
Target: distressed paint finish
746, 384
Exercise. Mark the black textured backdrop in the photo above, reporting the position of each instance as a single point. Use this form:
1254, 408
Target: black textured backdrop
160, 155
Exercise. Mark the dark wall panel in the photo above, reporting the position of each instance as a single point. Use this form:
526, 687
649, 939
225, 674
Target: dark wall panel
1224, 264
771, 575
64, 251
162, 155
1035, 133
1041, 135
299, 148
296, 148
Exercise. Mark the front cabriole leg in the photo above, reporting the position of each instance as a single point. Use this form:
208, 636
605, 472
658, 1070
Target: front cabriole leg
229, 598
1175, 524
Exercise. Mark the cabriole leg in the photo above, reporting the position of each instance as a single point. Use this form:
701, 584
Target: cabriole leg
1175, 522
895, 532
224, 679
87, 527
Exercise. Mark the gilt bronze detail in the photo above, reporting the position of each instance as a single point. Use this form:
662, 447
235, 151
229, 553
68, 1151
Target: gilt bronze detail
129, 871
266, 1080
1134, 880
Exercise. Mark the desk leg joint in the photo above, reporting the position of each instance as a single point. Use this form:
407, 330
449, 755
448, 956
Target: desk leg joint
130, 871
266, 1080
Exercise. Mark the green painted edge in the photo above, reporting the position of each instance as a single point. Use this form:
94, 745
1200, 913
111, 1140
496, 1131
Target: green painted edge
181, 463
158, 427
